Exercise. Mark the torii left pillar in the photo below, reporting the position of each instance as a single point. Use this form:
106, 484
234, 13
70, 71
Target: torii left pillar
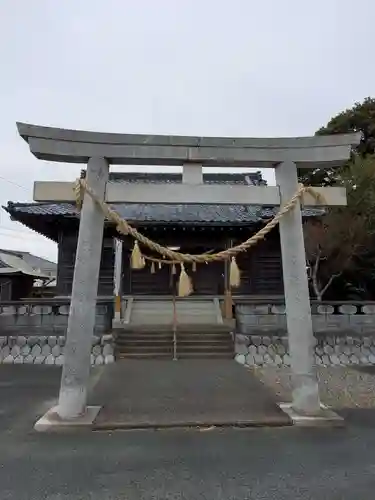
76, 369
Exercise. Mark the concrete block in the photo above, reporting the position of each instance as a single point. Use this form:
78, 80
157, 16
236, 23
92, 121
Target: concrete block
262, 350
59, 360
255, 340
29, 321
56, 351
52, 340
61, 340
25, 350
8, 320
258, 359
343, 359
3, 341
5, 351
52, 422
269, 320
267, 359
109, 359
18, 360
278, 360
278, 309
250, 309
28, 360
41, 309
328, 349
36, 350
241, 349
8, 311
250, 361
101, 310
280, 349
23, 310
48, 321
266, 340
96, 350
240, 358
247, 319
107, 350
50, 360
319, 323
362, 319
15, 351
21, 340
334, 359
369, 309
99, 360
8, 360
367, 341
32, 340
252, 350
39, 360
64, 310
339, 321
325, 360
319, 350
46, 350
348, 309
95, 340
325, 309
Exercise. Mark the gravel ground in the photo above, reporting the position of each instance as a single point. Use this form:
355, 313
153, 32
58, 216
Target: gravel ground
340, 386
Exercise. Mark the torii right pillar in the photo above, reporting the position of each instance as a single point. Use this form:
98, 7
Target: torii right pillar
297, 299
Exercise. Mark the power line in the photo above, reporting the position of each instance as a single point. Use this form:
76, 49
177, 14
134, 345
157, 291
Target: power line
5, 228
21, 237
14, 183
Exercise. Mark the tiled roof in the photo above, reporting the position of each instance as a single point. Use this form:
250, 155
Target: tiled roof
251, 178
159, 213
153, 213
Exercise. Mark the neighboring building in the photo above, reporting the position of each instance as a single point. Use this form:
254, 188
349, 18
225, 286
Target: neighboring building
191, 228
20, 271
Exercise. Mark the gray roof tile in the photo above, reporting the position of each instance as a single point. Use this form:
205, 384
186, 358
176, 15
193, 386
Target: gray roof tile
153, 213
178, 214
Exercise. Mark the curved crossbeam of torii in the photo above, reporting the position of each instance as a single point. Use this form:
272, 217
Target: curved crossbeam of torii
100, 150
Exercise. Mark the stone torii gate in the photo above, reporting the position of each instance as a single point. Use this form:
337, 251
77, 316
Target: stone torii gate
100, 150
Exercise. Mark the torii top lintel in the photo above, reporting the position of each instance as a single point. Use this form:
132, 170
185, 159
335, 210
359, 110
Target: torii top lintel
77, 146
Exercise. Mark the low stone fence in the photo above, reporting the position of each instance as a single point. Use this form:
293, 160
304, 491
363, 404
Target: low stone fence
34, 332
344, 333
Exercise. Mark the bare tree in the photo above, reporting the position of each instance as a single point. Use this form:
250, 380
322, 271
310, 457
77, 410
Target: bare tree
336, 241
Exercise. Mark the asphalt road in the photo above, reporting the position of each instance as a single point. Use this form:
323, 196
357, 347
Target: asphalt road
285, 463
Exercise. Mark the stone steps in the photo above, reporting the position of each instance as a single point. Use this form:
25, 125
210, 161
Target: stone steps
153, 325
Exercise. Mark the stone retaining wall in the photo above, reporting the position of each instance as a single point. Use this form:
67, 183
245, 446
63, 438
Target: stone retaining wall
35, 333
354, 318
46, 318
344, 334
49, 350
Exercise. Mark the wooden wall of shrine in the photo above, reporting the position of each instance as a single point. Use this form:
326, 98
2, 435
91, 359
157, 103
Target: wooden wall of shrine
261, 270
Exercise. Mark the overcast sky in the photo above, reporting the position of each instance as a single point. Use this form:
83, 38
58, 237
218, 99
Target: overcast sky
198, 67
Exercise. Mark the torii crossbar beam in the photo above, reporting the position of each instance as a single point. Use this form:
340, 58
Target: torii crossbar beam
100, 150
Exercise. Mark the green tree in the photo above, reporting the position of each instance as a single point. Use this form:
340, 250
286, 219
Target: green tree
359, 118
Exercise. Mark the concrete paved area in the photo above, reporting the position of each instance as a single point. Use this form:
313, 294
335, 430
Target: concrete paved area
256, 464
195, 392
